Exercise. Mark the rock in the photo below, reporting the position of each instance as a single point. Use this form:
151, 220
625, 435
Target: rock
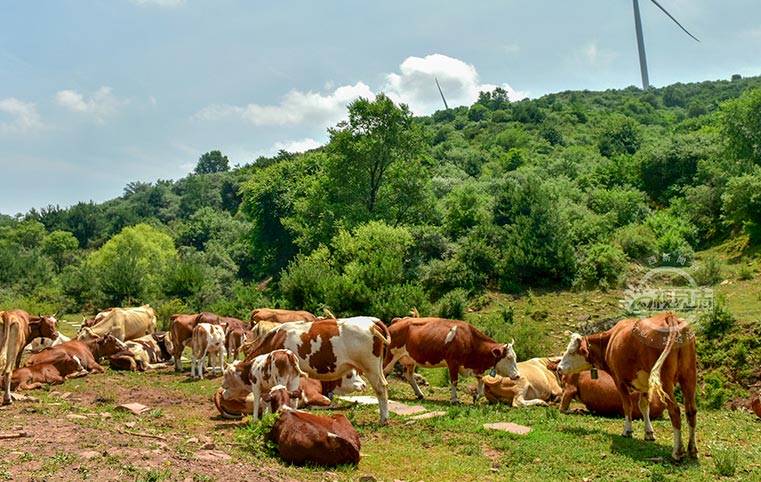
135, 408
428, 415
89, 454
509, 427
208, 446
74, 416
402, 409
213, 456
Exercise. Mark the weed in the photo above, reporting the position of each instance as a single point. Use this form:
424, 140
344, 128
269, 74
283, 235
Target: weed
726, 462
745, 272
26, 457
251, 435
201, 478
6, 474
157, 413
154, 475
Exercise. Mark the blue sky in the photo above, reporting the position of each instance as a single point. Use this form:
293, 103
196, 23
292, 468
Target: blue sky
95, 94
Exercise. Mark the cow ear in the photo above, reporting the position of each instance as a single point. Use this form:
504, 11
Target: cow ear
267, 397
498, 352
295, 393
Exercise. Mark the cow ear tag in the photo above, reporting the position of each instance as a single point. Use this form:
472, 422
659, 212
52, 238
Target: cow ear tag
594, 373
493, 373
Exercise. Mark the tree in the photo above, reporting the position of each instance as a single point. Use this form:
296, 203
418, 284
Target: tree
619, 135
211, 162
742, 203
59, 245
741, 122
132, 264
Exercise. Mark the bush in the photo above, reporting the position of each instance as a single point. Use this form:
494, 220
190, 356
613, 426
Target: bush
600, 266
637, 241
718, 321
531, 340
708, 273
452, 305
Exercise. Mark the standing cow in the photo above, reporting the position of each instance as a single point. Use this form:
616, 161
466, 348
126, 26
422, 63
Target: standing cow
17, 329
208, 341
438, 342
650, 356
279, 316
328, 349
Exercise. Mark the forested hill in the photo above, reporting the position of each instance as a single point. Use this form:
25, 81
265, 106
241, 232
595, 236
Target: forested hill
567, 190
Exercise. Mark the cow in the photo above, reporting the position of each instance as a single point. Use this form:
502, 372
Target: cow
649, 356
438, 342
17, 329
306, 438
87, 352
143, 353
208, 341
233, 404
90, 322
40, 343
601, 397
28, 378
278, 367
279, 316
123, 323
537, 385
756, 406
181, 330
328, 349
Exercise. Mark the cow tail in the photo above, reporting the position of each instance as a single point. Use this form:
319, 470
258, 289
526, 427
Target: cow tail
655, 386
380, 331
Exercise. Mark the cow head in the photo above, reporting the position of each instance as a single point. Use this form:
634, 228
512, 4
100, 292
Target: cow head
279, 397
233, 382
506, 361
351, 382
48, 327
576, 356
107, 345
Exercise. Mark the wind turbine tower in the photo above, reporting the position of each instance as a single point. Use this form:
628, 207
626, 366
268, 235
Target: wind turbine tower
641, 40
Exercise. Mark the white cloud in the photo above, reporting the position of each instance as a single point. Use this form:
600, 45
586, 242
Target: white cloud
296, 108
100, 105
23, 116
593, 55
297, 146
415, 84
159, 3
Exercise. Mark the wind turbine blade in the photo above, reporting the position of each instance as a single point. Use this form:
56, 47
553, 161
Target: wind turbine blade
675, 20
446, 107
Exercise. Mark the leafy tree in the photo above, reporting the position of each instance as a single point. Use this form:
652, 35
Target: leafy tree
741, 203
741, 124
619, 135
132, 264
59, 245
211, 162
29, 234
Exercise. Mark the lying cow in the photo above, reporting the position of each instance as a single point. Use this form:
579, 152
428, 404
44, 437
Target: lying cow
208, 341
278, 367
142, 353
537, 385
17, 329
86, 352
328, 349
233, 404
279, 316
37, 376
306, 438
438, 342
650, 356
601, 396
40, 343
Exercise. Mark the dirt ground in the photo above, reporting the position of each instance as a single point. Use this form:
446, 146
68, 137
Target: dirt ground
75, 432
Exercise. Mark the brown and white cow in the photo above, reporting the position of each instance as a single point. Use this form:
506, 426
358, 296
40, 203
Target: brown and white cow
233, 404
601, 397
279, 316
87, 352
439, 342
650, 356
306, 438
143, 353
181, 330
123, 323
278, 367
17, 329
208, 341
29, 378
328, 349
537, 385
40, 343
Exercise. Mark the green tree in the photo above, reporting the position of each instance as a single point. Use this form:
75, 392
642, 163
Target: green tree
212, 161
741, 203
741, 123
59, 245
619, 135
131, 265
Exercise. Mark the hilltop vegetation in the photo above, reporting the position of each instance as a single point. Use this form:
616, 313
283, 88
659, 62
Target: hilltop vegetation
570, 191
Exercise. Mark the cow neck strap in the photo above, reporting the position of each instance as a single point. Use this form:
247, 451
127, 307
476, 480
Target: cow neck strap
593, 370
493, 372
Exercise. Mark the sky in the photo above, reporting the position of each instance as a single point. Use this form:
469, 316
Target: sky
95, 94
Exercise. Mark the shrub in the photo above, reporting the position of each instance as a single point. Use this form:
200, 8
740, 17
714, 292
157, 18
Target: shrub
600, 266
452, 305
708, 273
715, 394
636, 240
718, 321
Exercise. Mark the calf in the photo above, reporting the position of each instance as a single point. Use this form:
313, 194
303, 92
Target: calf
143, 353
40, 343
649, 356
233, 404
306, 438
537, 385
87, 353
236, 337
438, 342
28, 378
181, 331
278, 367
208, 341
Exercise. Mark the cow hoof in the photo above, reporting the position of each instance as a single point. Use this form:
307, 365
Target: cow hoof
692, 452
650, 436
628, 434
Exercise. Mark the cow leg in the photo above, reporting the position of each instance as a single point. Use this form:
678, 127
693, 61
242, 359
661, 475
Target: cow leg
675, 415
626, 401
256, 392
480, 389
644, 407
453, 374
409, 375
688, 382
569, 392
380, 385
7, 393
